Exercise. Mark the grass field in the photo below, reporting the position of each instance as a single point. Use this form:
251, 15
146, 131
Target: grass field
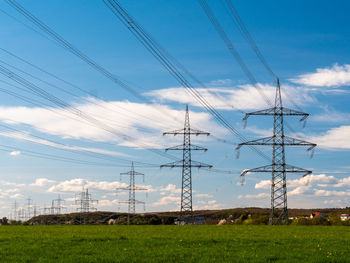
174, 244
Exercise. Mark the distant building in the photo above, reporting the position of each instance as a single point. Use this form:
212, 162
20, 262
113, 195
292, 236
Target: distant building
344, 217
189, 220
316, 215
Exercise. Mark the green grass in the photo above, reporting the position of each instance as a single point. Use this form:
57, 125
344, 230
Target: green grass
174, 244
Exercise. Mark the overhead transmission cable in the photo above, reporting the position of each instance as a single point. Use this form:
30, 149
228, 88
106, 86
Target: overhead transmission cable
148, 42
73, 110
63, 159
127, 111
56, 38
68, 148
235, 17
212, 18
73, 50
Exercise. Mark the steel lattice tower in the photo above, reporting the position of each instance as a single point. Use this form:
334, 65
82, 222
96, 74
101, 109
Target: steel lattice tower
85, 201
278, 168
186, 163
132, 188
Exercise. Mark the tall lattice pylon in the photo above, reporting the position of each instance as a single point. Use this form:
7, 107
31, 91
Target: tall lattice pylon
85, 202
132, 188
186, 163
278, 168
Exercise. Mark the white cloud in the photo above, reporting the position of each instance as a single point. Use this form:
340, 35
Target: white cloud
220, 82
108, 203
203, 195
331, 116
326, 77
243, 97
308, 181
167, 200
27, 137
208, 206
42, 182
75, 185
142, 122
322, 180
256, 196
170, 188
335, 138
319, 192
15, 153
264, 184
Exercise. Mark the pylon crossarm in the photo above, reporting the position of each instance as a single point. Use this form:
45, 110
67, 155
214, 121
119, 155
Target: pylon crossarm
124, 202
200, 165
279, 169
192, 147
278, 111
288, 141
291, 112
189, 131
198, 132
175, 132
191, 164
123, 188
137, 188
173, 164
269, 111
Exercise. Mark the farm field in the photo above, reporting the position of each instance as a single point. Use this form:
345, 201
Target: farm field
174, 244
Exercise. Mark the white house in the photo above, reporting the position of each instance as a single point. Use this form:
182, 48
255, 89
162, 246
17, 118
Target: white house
344, 217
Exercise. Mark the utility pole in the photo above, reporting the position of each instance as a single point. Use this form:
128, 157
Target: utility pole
57, 205
29, 207
85, 201
278, 168
46, 210
186, 163
35, 210
15, 210
132, 188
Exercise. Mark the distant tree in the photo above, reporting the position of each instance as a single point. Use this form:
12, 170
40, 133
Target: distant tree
334, 219
4, 221
301, 221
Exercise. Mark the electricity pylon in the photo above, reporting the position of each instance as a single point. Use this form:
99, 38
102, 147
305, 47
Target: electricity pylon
29, 208
186, 163
132, 188
278, 168
15, 210
57, 205
85, 201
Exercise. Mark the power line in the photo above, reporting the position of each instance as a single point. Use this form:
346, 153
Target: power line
234, 15
126, 111
149, 43
56, 38
231, 48
73, 110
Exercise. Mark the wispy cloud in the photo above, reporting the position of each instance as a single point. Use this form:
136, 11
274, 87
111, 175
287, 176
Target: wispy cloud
334, 76
330, 115
243, 97
15, 153
335, 138
140, 122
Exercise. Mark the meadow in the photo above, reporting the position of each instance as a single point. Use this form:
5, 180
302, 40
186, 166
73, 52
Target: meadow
174, 243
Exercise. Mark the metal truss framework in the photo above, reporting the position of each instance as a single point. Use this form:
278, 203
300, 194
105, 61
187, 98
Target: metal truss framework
186, 163
85, 201
278, 168
132, 188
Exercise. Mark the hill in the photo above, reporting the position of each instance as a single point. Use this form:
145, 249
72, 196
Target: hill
168, 218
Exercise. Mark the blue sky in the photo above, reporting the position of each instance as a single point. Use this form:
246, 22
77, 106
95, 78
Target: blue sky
305, 43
